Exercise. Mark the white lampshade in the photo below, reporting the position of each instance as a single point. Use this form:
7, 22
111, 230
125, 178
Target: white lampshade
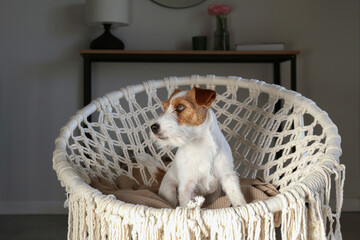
107, 11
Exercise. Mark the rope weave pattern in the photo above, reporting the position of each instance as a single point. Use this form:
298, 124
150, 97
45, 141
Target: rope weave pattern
274, 133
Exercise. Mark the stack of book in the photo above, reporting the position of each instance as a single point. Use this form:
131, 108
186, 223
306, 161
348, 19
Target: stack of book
260, 47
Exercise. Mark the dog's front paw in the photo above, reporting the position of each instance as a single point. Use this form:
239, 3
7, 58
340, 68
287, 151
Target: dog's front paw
239, 202
196, 202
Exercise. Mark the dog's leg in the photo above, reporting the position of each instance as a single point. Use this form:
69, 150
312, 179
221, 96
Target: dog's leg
168, 188
186, 192
229, 180
231, 186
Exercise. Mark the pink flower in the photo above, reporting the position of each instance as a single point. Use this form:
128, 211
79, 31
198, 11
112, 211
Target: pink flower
219, 9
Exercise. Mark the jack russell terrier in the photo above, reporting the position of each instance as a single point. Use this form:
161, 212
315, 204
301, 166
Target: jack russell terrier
203, 160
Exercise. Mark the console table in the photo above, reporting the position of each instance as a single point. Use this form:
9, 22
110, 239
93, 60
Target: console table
274, 57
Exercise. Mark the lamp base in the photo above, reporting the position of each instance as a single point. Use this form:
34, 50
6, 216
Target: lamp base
107, 40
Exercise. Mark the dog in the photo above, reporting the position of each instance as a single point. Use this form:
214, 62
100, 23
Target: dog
203, 164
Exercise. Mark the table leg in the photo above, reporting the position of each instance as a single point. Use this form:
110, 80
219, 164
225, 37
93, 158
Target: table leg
87, 81
293, 73
277, 80
279, 103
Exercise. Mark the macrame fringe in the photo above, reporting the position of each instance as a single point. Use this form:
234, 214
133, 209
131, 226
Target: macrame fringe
87, 220
300, 219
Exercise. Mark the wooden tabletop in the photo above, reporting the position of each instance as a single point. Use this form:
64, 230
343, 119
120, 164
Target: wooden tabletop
188, 52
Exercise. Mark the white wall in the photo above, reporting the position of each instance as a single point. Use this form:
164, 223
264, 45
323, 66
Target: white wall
41, 74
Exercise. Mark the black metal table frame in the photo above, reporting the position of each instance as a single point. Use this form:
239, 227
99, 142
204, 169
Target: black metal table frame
275, 58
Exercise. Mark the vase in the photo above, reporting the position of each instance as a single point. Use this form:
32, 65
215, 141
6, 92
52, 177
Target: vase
221, 34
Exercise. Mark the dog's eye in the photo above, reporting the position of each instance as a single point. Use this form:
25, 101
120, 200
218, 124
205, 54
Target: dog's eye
180, 107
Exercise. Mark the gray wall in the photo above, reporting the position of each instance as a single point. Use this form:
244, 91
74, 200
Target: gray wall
41, 70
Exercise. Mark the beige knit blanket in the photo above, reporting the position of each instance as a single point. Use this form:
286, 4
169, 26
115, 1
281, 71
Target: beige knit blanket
128, 190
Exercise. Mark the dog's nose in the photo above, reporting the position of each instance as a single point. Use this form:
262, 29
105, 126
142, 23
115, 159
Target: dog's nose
155, 128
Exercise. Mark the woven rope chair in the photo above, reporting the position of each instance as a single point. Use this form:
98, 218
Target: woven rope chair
274, 133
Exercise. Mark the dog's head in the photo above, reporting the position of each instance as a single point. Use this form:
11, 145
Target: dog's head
184, 114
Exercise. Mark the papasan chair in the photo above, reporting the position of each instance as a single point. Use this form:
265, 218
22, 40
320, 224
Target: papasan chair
274, 133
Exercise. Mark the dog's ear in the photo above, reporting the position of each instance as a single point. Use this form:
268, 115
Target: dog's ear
204, 97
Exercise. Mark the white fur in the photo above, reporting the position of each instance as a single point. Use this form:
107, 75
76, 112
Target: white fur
202, 162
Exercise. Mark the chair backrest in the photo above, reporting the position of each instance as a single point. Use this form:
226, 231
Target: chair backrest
274, 133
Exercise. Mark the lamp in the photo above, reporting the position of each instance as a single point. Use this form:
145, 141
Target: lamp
108, 13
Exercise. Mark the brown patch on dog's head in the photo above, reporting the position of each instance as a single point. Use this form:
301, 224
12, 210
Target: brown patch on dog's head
192, 108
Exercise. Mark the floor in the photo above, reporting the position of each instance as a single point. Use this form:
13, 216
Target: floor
31, 227
54, 227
